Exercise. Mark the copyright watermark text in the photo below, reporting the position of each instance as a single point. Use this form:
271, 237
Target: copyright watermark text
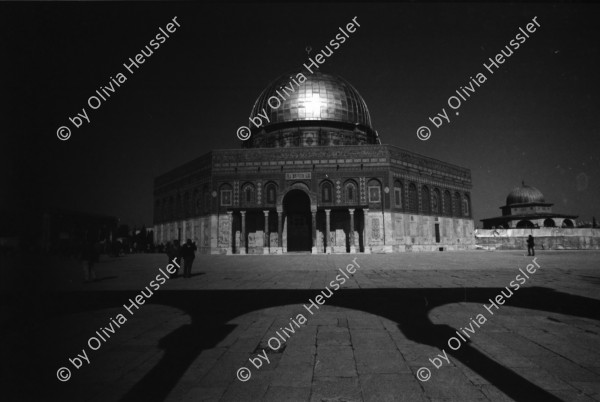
463, 93
102, 94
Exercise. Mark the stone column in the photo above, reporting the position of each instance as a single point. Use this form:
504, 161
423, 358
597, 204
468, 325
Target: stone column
266, 243
229, 230
352, 248
193, 222
280, 232
201, 236
366, 236
182, 238
328, 247
314, 232
243, 234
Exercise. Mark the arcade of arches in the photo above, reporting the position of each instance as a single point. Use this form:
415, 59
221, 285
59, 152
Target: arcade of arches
319, 213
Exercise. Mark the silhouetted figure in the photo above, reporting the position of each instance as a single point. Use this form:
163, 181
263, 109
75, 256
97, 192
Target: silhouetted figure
89, 256
169, 251
173, 251
188, 254
530, 244
116, 248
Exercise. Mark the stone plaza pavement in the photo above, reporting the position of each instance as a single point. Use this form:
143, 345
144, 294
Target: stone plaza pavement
365, 343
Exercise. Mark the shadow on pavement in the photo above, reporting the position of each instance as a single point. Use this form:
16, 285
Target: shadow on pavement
210, 311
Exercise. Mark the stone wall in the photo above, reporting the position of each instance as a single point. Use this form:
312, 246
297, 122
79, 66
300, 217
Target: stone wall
417, 232
389, 232
545, 239
201, 231
408, 232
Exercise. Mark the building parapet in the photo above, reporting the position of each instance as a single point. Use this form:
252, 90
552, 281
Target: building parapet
538, 232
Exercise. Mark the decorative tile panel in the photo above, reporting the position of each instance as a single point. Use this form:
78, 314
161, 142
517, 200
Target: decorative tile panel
259, 192
363, 191
375, 229
236, 193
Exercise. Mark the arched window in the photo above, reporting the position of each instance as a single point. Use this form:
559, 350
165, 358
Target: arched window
248, 193
413, 198
549, 223
206, 198
457, 205
567, 223
447, 203
350, 192
466, 206
524, 224
186, 204
374, 191
326, 191
435, 201
426, 200
398, 194
178, 206
271, 191
196, 202
225, 193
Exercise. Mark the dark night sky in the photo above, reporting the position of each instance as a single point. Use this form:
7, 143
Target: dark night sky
535, 119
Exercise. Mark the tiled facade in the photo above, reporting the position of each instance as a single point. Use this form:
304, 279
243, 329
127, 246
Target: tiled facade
368, 198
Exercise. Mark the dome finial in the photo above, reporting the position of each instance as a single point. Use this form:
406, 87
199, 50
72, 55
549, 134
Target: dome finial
308, 49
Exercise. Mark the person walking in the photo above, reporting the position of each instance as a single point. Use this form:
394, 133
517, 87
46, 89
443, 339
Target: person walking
188, 254
530, 244
173, 251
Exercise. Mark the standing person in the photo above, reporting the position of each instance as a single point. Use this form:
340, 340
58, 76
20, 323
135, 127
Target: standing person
530, 244
188, 254
88, 258
169, 252
174, 254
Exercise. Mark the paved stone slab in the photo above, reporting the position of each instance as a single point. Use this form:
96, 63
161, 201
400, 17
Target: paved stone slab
391, 387
333, 336
371, 361
335, 361
365, 343
287, 394
330, 389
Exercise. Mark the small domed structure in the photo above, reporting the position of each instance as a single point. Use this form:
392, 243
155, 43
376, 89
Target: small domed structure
526, 208
524, 195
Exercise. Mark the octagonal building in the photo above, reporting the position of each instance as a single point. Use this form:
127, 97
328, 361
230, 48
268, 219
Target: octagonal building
314, 178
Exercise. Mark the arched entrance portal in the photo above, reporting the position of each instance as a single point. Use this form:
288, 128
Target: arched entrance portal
524, 224
296, 207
